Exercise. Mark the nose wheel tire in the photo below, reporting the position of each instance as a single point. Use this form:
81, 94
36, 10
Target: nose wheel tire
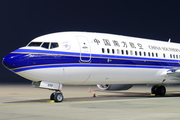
52, 96
58, 97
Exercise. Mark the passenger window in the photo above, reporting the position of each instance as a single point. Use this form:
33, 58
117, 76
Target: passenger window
152, 54
131, 52
136, 53
164, 55
113, 51
108, 51
54, 45
177, 56
149, 54
173, 56
122, 51
170, 55
156, 55
45, 45
126, 52
36, 44
117, 51
140, 53
102, 50
144, 53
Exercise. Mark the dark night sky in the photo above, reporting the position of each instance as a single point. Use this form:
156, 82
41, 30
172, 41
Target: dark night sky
23, 20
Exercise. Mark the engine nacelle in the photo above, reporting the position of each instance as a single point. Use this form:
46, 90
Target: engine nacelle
114, 87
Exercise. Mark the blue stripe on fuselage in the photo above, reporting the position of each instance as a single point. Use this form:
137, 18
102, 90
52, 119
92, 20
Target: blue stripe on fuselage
43, 52
43, 59
31, 51
86, 65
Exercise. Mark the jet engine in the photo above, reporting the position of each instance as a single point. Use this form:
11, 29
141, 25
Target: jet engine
114, 87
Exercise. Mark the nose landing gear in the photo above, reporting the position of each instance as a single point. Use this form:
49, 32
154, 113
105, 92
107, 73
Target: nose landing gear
158, 90
57, 96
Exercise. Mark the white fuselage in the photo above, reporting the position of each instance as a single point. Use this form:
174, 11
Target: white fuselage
82, 58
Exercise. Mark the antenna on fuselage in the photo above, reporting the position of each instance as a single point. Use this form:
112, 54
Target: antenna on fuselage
169, 40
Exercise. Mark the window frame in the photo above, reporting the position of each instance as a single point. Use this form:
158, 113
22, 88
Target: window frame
113, 51
140, 54
35, 42
144, 53
127, 52
50, 46
122, 52
135, 53
108, 51
43, 44
118, 52
103, 50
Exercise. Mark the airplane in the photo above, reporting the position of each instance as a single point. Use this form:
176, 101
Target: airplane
112, 62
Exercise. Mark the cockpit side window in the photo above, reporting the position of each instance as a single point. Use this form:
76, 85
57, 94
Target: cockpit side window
36, 44
45, 45
54, 45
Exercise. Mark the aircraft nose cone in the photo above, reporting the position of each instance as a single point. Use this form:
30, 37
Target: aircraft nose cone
14, 60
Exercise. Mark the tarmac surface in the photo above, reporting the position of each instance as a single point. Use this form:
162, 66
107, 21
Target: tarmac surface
23, 102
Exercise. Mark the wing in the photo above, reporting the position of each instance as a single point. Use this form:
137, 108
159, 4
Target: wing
174, 73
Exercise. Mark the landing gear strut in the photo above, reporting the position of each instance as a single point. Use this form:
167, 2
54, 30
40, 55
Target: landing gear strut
57, 96
158, 90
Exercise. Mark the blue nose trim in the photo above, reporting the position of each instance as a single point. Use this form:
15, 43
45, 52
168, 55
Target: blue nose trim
14, 60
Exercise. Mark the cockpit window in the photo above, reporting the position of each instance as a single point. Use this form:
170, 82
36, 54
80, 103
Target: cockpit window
45, 45
54, 45
36, 44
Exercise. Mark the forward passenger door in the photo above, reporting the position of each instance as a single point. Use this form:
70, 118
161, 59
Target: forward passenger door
85, 50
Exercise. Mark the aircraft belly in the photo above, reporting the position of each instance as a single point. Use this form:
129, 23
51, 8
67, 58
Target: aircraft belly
64, 75
95, 75
123, 76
